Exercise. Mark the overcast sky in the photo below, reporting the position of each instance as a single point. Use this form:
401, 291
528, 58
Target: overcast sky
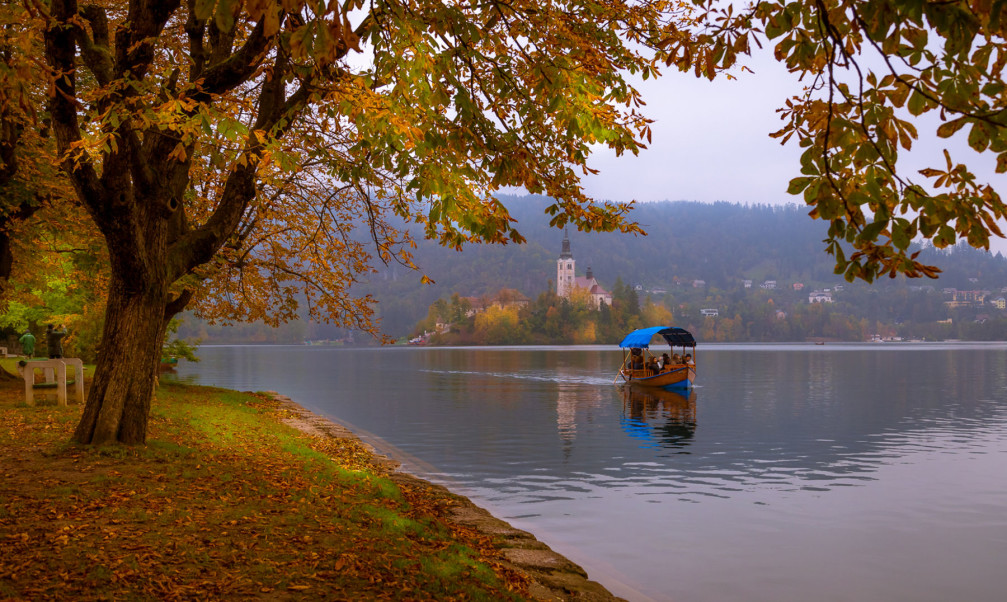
711, 143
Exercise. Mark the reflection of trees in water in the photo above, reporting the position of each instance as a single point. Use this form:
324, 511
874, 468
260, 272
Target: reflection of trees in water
664, 418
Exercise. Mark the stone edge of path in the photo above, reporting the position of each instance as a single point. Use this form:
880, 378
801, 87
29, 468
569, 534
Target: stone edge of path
553, 577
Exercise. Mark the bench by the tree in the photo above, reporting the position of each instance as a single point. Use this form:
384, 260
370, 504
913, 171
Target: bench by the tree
55, 377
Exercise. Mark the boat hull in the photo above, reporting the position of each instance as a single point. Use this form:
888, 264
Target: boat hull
681, 377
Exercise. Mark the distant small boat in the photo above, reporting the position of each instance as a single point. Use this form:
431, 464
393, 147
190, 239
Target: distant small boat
639, 365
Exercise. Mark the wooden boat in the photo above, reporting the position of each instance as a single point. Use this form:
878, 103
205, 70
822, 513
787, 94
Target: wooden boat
639, 364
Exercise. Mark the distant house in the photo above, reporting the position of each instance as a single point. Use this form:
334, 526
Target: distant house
950, 291
1000, 303
974, 280
747, 283
508, 297
820, 297
781, 315
838, 288
709, 313
798, 286
698, 283
970, 296
768, 285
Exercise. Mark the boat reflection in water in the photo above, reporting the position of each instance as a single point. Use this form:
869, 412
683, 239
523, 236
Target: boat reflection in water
659, 417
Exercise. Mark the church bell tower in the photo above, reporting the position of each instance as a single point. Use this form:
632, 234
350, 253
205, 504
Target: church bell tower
564, 269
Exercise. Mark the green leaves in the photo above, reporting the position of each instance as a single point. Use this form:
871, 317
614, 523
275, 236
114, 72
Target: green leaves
203, 9
225, 14
979, 137
871, 231
871, 69
231, 129
948, 129
797, 185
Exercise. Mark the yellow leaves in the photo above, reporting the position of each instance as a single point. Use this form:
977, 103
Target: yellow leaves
348, 36
178, 153
324, 40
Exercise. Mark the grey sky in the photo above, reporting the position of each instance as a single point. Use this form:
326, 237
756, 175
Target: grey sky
711, 143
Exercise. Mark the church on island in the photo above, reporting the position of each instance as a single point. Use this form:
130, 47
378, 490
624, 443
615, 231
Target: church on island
567, 281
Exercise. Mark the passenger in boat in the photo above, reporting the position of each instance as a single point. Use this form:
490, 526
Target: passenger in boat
676, 359
665, 362
636, 359
688, 358
652, 365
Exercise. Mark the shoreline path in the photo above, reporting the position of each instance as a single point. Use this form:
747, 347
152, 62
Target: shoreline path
553, 577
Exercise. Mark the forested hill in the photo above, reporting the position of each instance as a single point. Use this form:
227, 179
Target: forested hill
721, 244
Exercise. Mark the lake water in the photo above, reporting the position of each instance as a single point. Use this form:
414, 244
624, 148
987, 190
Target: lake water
791, 473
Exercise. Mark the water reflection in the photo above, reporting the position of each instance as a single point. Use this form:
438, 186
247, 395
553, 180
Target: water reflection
659, 418
829, 473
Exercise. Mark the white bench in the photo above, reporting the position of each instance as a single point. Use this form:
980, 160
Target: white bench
55, 377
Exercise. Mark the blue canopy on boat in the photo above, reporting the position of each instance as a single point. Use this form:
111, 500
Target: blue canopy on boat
672, 335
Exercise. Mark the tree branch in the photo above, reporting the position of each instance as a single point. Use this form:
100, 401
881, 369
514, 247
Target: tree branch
224, 75
96, 52
59, 51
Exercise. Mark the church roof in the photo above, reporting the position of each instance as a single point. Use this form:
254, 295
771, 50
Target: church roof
591, 285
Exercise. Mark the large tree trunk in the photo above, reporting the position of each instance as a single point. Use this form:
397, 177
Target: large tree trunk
136, 191
118, 402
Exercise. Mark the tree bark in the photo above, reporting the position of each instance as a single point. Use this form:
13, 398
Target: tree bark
118, 402
136, 193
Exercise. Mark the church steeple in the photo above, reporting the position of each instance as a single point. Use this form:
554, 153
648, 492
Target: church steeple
565, 253
565, 269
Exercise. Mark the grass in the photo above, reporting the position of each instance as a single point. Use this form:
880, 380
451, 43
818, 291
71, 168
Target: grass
224, 501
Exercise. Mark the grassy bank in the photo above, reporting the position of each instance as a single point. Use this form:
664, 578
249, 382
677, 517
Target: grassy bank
224, 501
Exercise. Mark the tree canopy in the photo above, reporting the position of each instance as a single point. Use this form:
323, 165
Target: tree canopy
876, 75
227, 152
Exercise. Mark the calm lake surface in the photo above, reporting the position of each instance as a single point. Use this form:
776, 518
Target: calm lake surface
791, 473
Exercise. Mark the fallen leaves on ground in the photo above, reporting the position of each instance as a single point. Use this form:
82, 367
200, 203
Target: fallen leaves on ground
223, 502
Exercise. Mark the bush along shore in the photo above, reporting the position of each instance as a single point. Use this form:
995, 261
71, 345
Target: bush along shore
244, 495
